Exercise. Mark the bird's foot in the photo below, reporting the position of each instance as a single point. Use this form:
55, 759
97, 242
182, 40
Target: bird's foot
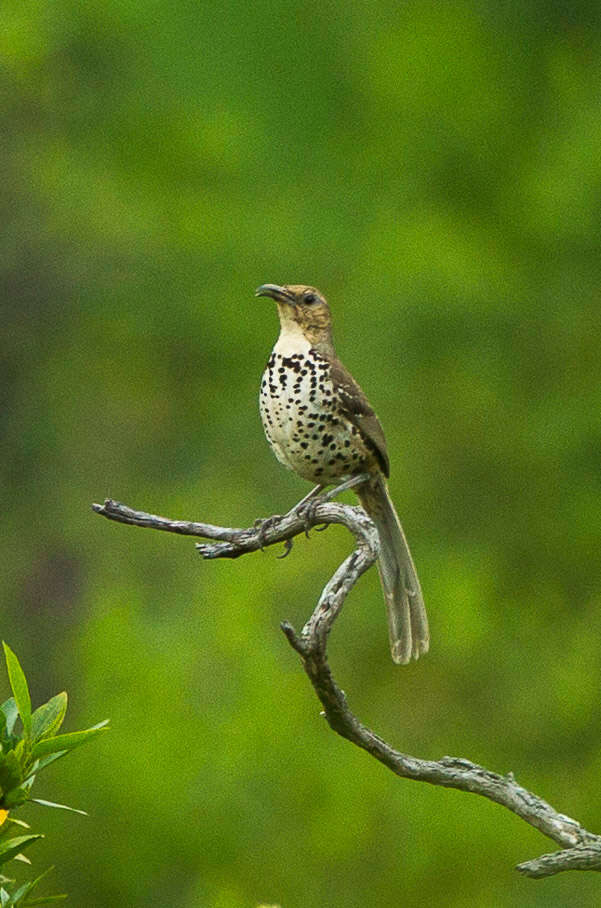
306, 511
287, 549
307, 507
262, 525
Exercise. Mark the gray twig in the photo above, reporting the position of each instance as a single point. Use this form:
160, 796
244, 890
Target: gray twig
579, 848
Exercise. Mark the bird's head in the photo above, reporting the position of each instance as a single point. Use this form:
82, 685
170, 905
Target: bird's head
301, 307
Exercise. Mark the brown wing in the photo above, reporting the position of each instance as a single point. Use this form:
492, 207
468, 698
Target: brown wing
355, 406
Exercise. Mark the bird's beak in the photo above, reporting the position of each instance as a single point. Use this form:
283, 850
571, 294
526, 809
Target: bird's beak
279, 294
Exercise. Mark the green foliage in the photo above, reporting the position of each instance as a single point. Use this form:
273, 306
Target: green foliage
47, 719
20, 690
23, 755
20, 896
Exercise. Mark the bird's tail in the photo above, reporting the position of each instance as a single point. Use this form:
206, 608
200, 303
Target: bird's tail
407, 620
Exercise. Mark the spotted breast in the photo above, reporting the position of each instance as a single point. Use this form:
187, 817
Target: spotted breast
300, 414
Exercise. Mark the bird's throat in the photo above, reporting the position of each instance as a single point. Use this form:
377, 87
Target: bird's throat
292, 339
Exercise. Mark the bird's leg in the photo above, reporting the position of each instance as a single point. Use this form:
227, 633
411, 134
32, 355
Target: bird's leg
306, 507
356, 480
343, 487
312, 494
263, 524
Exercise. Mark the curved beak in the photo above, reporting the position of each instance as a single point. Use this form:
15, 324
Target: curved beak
275, 292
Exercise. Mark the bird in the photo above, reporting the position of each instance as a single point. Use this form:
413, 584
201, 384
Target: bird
319, 424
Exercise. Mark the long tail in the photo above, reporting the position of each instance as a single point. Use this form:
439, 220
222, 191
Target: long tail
407, 620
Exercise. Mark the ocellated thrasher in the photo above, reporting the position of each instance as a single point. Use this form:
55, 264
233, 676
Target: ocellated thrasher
319, 423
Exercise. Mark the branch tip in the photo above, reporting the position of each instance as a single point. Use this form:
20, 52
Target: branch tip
296, 642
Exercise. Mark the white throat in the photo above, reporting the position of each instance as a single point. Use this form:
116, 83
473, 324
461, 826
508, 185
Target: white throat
291, 340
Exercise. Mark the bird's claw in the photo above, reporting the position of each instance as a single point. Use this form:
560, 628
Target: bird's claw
306, 512
261, 525
287, 549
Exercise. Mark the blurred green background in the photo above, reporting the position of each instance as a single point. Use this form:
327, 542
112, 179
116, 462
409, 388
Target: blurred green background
435, 169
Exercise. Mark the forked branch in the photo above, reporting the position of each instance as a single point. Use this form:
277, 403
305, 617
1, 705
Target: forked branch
579, 848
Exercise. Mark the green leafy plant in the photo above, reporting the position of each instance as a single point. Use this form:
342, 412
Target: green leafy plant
29, 742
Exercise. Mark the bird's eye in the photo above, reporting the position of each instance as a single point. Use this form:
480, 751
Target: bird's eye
310, 297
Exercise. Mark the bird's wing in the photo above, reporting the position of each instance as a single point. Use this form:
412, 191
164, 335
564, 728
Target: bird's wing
355, 406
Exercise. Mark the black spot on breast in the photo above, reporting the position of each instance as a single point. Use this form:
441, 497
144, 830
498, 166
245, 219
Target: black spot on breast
291, 363
326, 439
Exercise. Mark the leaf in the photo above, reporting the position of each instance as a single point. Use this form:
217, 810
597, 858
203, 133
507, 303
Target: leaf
66, 742
60, 806
18, 683
12, 847
47, 719
10, 712
20, 893
18, 750
26, 888
21, 823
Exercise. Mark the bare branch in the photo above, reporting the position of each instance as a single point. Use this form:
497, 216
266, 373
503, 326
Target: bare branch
234, 541
581, 857
580, 849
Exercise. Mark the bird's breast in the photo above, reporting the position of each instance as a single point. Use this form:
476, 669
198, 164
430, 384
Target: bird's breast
301, 417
